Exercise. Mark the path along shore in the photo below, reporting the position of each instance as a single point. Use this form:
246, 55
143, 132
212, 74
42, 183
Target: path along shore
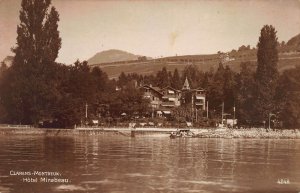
259, 133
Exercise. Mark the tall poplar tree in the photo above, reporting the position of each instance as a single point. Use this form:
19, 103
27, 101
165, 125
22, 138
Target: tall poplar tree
32, 92
175, 82
266, 73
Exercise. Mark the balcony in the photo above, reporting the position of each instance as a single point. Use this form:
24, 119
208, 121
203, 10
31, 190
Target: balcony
168, 104
200, 96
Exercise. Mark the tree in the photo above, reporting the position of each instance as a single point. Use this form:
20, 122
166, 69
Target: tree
266, 75
194, 76
3, 68
207, 79
288, 98
170, 78
228, 90
215, 90
244, 89
38, 40
162, 78
130, 101
175, 82
122, 79
81, 86
31, 92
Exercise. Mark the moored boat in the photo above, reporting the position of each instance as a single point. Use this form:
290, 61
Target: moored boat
182, 133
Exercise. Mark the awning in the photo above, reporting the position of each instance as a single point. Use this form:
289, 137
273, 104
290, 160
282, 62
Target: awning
95, 121
200, 97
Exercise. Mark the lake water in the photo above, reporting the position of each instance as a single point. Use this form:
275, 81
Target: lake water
112, 163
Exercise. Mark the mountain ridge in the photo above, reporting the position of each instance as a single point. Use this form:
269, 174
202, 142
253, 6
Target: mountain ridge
112, 55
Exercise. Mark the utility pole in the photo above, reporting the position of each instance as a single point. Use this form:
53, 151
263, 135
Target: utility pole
233, 114
152, 112
192, 108
207, 110
222, 112
269, 120
196, 114
86, 110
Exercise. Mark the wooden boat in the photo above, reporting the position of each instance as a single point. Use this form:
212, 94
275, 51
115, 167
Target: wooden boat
182, 133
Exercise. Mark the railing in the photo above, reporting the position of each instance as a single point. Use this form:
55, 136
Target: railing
15, 126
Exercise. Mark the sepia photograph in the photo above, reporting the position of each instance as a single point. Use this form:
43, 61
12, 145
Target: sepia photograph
149, 96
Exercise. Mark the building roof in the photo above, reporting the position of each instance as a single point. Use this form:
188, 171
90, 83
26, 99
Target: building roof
169, 96
186, 85
199, 89
155, 89
171, 88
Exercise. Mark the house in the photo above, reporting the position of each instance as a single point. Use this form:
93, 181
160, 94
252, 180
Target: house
153, 94
171, 97
196, 97
199, 99
164, 100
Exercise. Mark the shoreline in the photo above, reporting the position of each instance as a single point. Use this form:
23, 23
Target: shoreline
253, 133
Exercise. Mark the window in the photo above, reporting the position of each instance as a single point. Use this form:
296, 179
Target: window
171, 92
171, 99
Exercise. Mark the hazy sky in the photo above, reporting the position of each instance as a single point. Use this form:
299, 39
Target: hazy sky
155, 27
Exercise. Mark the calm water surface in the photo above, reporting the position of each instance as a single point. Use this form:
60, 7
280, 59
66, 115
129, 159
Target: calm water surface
150, 164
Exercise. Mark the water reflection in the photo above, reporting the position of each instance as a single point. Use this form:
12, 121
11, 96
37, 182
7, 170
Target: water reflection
112, 163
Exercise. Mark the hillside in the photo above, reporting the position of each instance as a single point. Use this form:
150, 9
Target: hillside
109, 56
289, 57
152, 66
295, 41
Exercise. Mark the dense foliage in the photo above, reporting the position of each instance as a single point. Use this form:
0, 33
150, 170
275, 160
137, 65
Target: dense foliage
36, 89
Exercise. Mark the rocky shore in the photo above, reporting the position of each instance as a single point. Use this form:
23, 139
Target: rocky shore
257, 133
